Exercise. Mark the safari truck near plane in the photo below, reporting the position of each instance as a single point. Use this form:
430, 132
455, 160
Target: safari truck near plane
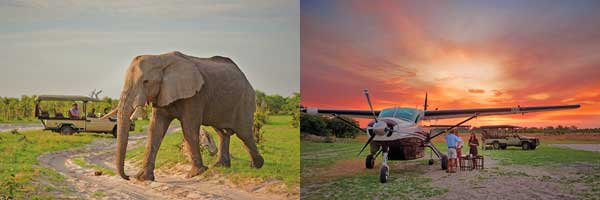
502, 136
67, 125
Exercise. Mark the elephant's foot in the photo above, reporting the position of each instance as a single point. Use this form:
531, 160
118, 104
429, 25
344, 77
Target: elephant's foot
257, 162
222, 162
195, 171
143, 176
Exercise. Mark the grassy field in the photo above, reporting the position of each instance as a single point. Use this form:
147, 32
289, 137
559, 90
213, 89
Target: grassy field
280, 149
319, 154
321, 158
318, 159
18, 160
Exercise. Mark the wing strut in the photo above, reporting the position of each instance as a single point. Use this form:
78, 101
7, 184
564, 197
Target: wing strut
450, 128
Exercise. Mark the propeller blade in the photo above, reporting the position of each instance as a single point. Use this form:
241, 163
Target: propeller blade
370, 105
425, 104
452, 127
368, 142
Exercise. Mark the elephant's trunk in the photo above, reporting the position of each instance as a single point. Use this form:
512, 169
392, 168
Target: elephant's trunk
123, 124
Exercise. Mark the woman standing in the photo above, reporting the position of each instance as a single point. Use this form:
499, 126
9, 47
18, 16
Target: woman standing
473, 144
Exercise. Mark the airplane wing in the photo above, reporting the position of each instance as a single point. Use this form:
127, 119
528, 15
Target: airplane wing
347, 113
456, 113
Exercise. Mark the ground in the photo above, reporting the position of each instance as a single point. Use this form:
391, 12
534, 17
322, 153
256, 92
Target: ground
67, 167
334, 170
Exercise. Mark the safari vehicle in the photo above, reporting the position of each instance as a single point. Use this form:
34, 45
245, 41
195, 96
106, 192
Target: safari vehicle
502, 136
69, 125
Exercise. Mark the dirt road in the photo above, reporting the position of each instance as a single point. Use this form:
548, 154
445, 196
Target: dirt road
84, 184
505, 182
20, 127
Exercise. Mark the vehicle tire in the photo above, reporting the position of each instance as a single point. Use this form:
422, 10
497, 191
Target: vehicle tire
370, 162
503, 146
496, 145
67, 130
533, 147
114, 132
384, 173
430, 162
444, 161
526, 146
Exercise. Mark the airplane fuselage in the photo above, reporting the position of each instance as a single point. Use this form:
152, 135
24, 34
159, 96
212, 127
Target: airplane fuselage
400, 132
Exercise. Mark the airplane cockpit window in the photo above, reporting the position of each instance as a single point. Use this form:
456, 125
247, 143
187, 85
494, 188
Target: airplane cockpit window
405, 114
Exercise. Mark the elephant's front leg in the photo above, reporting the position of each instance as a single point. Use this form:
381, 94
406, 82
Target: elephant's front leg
191, 131
159, 123
224, 156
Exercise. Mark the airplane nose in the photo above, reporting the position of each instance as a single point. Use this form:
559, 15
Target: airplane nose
379, 128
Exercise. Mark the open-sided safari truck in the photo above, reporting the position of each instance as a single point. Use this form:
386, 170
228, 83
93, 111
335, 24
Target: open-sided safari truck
68, 125
502, 136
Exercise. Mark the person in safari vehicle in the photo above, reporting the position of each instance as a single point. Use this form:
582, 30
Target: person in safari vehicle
74, 111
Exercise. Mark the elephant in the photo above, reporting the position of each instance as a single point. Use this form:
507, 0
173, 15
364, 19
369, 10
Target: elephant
196, 91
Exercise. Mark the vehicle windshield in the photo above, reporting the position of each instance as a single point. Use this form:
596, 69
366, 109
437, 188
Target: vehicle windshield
405, 114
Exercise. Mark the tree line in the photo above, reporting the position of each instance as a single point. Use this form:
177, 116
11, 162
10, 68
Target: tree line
14, 109
322, 126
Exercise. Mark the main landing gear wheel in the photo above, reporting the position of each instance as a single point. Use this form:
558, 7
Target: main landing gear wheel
370, 162
444, 161
430, 162
384, 174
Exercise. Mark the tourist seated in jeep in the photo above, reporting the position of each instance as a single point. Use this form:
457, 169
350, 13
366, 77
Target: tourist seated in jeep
74, 112
92, 114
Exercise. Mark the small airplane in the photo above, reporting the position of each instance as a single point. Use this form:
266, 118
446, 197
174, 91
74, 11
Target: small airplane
397, 132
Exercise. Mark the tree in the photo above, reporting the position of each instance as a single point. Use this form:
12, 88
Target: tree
314, 125
341, 129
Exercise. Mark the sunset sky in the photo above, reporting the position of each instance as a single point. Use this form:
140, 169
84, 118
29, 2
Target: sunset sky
465, 54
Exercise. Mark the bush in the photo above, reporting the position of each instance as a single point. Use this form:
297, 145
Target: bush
341, 129
325, 127
313, 124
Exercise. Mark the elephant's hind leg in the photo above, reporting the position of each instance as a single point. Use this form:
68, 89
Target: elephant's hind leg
224, 156
246, 136
191, 132
159, 123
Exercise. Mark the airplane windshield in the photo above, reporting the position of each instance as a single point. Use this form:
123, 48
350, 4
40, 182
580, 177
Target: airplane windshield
405, 114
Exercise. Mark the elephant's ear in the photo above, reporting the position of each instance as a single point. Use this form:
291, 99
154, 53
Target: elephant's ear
180, 80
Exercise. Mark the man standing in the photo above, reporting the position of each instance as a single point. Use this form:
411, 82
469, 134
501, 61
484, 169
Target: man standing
451, 141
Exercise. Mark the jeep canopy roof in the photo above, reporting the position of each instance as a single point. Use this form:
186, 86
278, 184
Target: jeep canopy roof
64, 98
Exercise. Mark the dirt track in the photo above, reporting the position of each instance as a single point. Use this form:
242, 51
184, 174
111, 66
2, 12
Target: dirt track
167, 185
20, 127
504, 182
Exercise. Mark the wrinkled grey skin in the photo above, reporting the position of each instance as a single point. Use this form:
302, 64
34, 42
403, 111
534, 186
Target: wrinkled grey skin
196, 91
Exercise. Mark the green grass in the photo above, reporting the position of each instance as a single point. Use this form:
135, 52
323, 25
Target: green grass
316, 157
543, 155
18, 159
319, 154
280, 149
404, 184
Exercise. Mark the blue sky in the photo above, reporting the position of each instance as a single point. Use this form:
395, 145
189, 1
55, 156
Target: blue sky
73, 47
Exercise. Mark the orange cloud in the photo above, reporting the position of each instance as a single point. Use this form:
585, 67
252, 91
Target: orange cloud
400, 50
476, 91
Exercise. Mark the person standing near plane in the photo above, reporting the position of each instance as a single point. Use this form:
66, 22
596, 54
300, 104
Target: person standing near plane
451, 141
459, 146
473, 144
